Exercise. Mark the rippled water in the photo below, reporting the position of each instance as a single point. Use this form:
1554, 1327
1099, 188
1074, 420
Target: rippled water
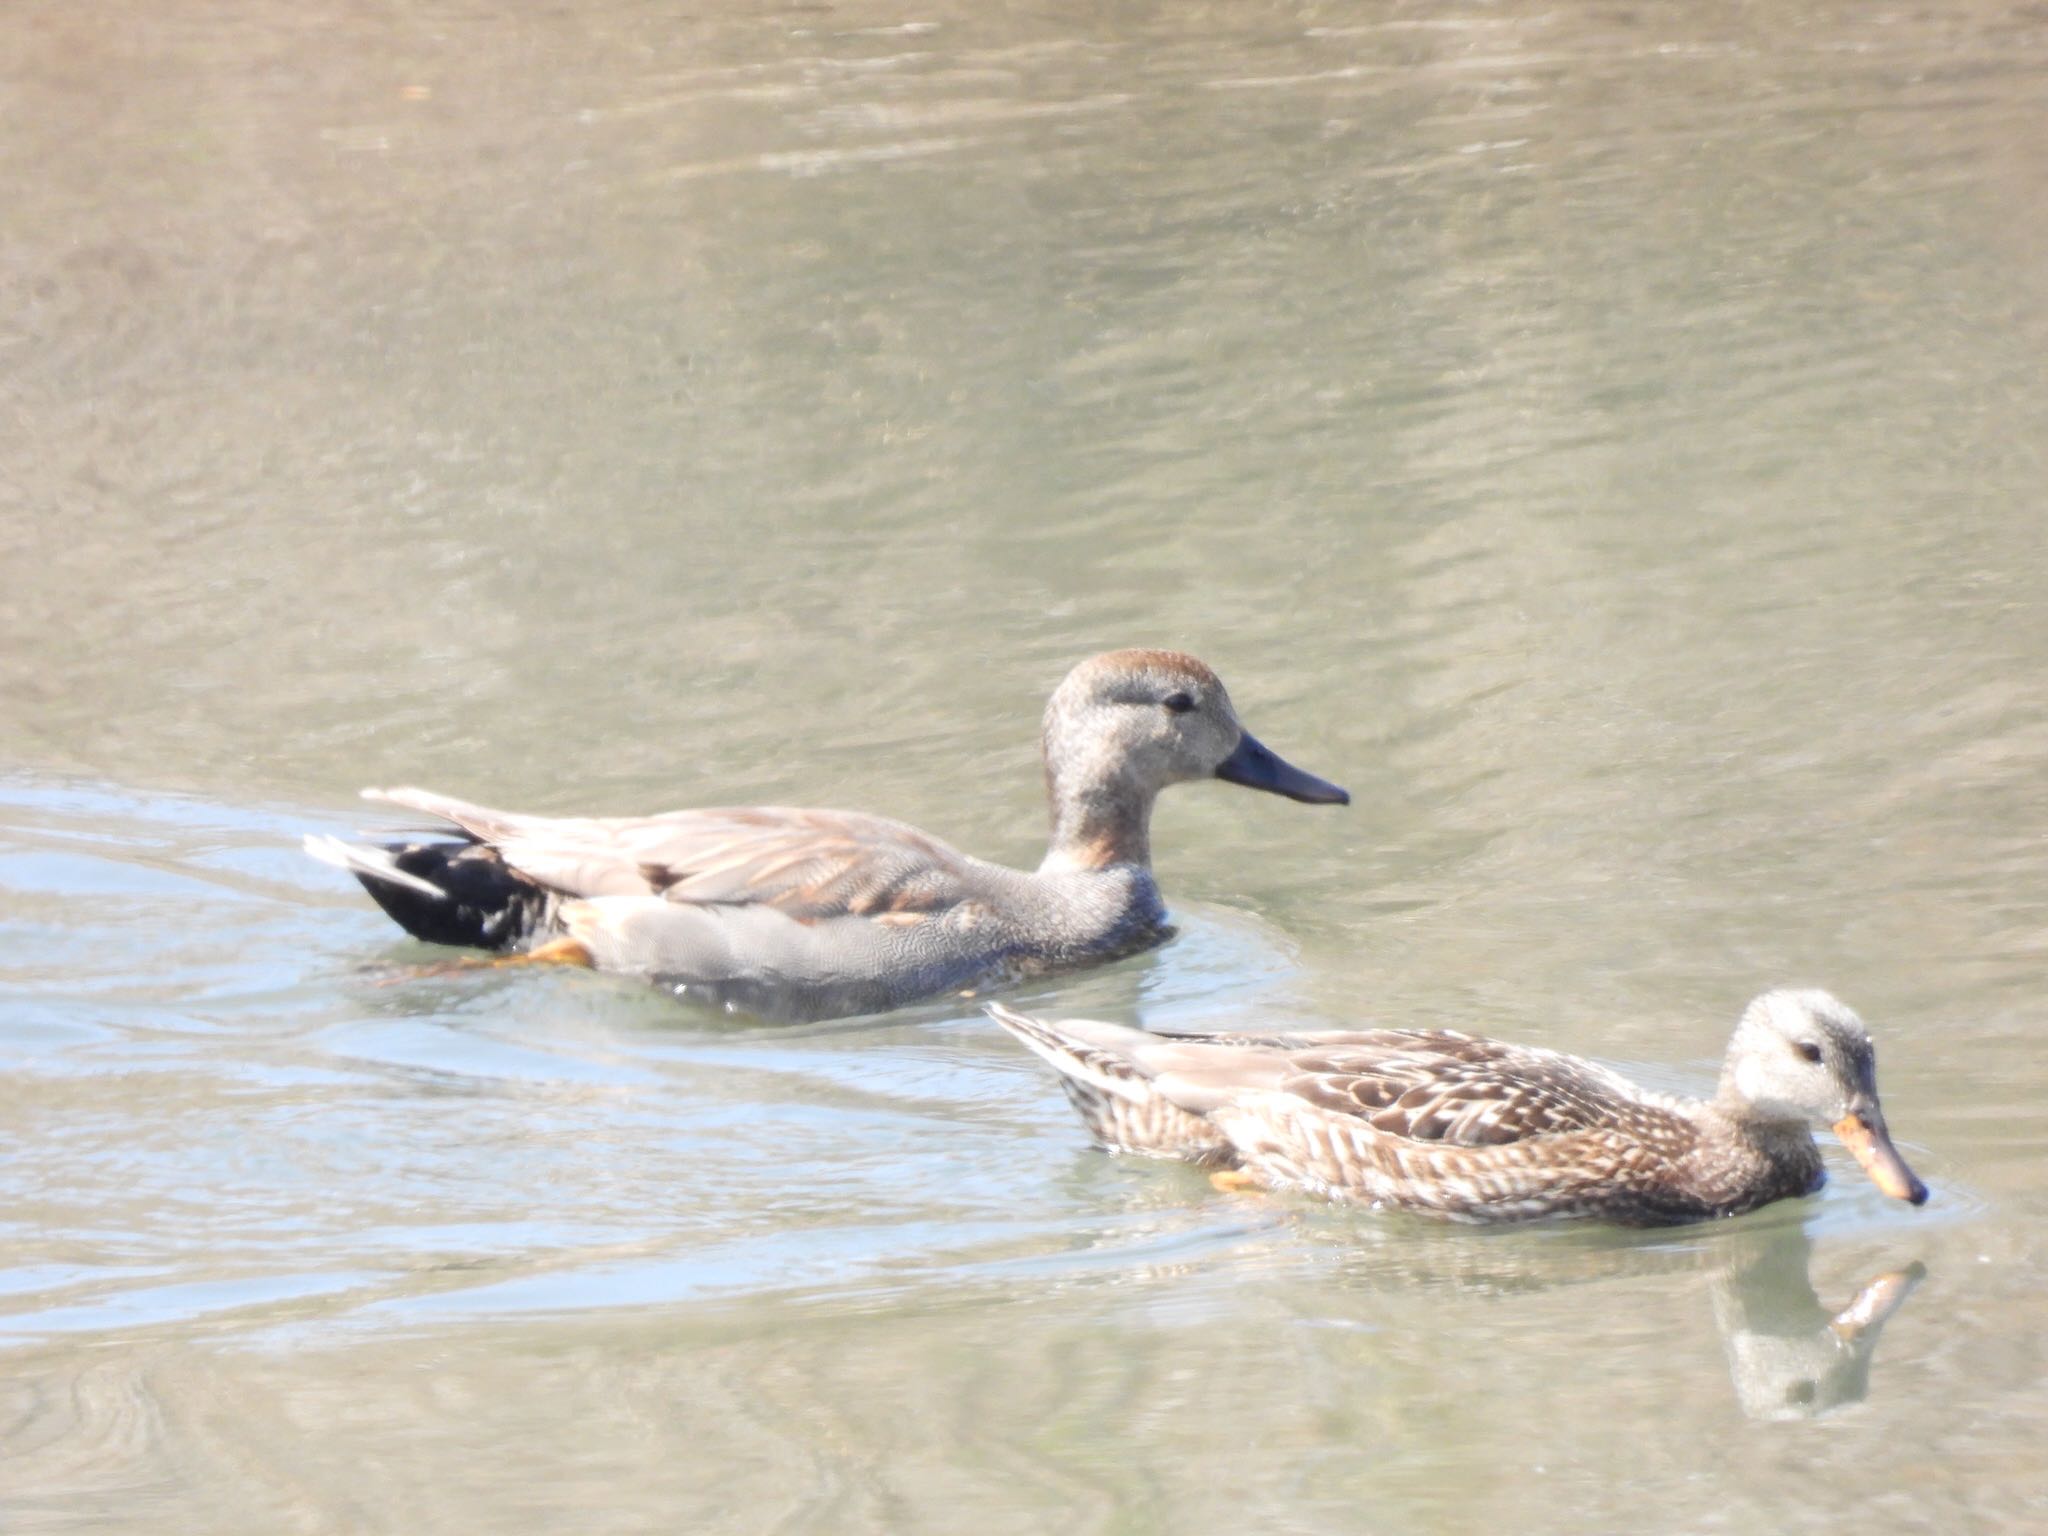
1609, 440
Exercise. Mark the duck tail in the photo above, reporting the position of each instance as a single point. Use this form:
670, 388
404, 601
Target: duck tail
445, 892
1112, 1088
1075, 1055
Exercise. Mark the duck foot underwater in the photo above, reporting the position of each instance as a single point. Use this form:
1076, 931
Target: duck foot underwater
567, 952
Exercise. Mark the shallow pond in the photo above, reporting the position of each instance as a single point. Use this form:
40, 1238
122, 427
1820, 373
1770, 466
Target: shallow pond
1609, 439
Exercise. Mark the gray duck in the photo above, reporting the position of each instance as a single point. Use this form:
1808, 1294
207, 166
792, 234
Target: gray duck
801, 913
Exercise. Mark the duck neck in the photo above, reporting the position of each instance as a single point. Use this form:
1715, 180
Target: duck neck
1783, 1146
1735, 1108
1741, 1120
1097, 823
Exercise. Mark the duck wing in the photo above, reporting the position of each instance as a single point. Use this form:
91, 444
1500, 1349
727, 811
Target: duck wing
809, 865
1437, 1087
1472, 1129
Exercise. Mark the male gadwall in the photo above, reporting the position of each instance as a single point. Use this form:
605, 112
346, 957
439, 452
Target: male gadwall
1478, 1130
812, 914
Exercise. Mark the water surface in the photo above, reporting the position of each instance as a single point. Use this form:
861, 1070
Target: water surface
1608, 440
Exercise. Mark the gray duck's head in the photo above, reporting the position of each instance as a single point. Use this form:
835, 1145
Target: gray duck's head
1126, 724
1803, 1055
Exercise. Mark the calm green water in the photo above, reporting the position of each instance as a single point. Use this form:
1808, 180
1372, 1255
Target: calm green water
1609, 440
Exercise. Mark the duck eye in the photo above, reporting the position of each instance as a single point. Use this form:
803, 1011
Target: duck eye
1179, 703
1809, 1050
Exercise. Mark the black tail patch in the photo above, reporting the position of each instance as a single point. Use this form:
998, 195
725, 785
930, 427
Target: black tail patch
489, 904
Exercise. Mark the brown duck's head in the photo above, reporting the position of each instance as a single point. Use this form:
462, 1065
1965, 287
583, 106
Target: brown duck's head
1804, 1055
1133, 722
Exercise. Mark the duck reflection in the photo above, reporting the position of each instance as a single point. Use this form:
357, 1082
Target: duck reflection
1789, 1355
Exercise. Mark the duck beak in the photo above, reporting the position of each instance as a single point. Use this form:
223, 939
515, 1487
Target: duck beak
1864, 1134
1256, 766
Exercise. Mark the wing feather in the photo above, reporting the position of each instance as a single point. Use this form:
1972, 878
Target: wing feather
810, 865
1439, 1086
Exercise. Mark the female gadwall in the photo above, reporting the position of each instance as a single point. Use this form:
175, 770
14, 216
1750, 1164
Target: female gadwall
1479, 1130
812, 914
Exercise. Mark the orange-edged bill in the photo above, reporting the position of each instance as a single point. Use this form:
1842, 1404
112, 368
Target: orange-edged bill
1871, 1144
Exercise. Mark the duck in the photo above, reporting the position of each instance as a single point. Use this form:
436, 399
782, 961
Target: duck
812, 914
1473, 1129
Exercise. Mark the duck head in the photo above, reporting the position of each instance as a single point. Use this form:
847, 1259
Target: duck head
1126, 724
1804, 1056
